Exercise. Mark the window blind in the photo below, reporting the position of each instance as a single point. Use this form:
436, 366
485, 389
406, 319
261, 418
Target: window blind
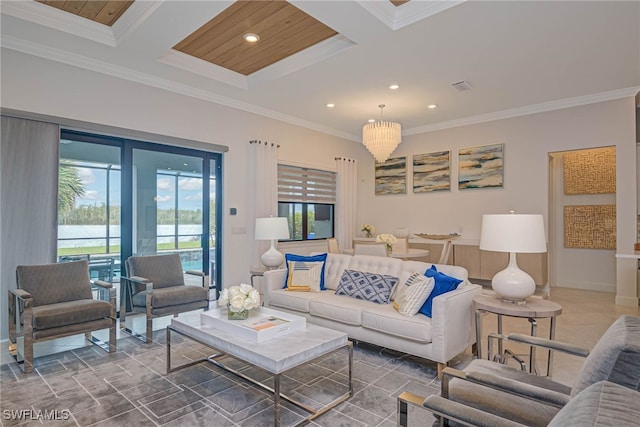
296, 184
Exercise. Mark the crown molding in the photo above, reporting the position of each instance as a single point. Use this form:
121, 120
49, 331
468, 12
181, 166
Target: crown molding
106, 68
529, 109
57, 19
408, 13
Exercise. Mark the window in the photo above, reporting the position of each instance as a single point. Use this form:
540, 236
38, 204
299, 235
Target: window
306, 197
119, 197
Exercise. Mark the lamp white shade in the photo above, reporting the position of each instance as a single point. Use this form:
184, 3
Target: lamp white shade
513, 233
272, 229
522, 233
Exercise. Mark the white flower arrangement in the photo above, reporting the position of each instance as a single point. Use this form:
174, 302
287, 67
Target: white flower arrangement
368, 229
389, 239
240, 297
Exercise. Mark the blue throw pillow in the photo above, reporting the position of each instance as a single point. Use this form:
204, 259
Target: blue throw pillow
315, 258
443, 285
366, 286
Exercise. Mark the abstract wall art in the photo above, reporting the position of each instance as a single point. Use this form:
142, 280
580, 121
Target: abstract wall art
481, 167
590, 226
391, 176
432, 172
590, 171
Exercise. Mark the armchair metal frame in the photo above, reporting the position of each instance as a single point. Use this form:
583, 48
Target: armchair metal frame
21, 325
130, 285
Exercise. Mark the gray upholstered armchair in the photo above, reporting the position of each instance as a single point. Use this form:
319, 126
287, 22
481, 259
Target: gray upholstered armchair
601, 404
54, 301
532, 400
155, 286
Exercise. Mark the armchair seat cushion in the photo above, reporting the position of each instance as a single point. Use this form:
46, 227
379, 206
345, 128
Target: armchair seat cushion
69, 313
170, 296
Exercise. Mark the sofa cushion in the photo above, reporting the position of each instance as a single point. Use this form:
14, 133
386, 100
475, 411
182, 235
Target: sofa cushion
315, 258
411, 295
443, 284
366, 286
304, 275
339, 308
384, 318
297, 301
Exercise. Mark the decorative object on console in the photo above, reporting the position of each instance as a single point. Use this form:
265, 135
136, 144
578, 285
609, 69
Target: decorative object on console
431, 172
388, 239
305, 262
272, 229
381, 137
513, 233
401, 232
366, 286
368, 230
391, 176
239, 300
480, 167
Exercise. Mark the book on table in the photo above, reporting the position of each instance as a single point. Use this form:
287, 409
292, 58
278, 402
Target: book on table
266, 323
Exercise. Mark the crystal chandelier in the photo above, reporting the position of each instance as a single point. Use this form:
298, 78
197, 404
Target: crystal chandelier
381, 137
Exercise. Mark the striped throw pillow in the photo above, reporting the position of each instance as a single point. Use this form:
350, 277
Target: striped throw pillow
413, 293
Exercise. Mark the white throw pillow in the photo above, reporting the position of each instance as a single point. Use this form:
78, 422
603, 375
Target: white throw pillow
304, 276
412, 294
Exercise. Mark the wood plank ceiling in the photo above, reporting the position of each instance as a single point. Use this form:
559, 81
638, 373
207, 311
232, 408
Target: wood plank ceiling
283, 30
103, 12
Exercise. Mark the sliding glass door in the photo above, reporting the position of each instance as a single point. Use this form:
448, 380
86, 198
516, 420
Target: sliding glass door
119, 197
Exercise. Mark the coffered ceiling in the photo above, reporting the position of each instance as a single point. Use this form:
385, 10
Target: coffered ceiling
518, 57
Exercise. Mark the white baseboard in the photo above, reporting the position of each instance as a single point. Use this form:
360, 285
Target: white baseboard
627, 301
588, 286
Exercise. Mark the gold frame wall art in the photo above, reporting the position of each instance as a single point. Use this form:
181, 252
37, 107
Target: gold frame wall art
590, 226
591, 171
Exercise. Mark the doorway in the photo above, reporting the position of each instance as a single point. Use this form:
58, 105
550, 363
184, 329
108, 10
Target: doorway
121, 197
581, 219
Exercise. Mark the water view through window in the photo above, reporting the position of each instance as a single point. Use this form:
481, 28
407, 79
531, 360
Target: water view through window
165, 203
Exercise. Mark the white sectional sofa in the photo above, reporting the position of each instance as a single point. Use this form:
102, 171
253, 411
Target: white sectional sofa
440, 338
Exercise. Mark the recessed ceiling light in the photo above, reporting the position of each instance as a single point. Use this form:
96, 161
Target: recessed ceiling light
394, 87
330, 105
251, 38
432, 106
371, 120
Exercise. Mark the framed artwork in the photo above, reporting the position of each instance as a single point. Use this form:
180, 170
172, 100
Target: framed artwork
590, 226
432, 172
391, 176
590, 171
481, 167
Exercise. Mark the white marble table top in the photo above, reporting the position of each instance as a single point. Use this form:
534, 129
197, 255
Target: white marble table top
276, 355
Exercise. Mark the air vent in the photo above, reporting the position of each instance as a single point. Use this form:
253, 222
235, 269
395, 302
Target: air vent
461, 86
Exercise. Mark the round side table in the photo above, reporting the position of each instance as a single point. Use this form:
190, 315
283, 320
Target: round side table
532, 309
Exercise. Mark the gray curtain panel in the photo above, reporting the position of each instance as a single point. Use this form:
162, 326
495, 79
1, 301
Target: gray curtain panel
28, 198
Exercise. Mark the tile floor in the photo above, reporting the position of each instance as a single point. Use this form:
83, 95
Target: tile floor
132, 387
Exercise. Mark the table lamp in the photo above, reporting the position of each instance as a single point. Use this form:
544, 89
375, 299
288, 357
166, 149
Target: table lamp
272, 229
513, 233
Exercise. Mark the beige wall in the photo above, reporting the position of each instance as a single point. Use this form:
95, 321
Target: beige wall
527, 140
41, 86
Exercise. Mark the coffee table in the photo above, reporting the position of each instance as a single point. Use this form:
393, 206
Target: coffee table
276, 356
